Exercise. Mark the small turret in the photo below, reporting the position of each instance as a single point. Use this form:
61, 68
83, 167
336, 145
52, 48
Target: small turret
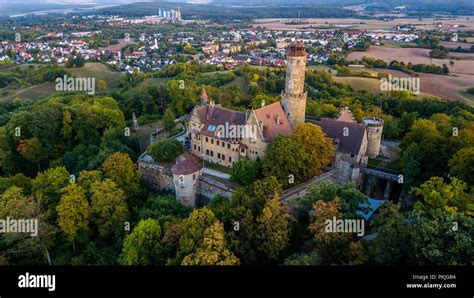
204, 96
134, 122
374, 135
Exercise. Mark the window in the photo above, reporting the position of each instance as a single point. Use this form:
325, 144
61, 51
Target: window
194, 146
212, 141
217, 142
223, 157
212, 153
207, 140
223, 144
218, 155
352, 155
194, 176
230, 159
207, 152
228, 146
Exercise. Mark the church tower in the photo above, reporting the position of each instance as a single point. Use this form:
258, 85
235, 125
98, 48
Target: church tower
294, 97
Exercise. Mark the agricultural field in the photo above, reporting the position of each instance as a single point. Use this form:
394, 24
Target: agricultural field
360, 24
431, 85
451, 87
416, 56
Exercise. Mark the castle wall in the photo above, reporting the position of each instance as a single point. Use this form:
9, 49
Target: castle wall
160, 178
209, 188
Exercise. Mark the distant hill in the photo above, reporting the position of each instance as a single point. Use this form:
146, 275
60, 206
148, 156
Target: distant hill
217, 12
411, 7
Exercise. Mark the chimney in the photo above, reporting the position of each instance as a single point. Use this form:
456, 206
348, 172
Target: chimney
212, 103
262, 103
278, 119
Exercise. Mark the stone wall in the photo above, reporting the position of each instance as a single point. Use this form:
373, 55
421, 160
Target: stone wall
159, 177
290, 195
208, 188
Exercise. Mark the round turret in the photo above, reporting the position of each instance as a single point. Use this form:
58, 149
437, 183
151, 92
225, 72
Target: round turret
185, 177
374, 135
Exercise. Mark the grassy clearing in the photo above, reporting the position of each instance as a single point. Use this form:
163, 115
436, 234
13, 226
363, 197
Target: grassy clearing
91, 70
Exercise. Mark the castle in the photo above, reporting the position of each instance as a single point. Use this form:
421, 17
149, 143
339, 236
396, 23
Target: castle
223, 136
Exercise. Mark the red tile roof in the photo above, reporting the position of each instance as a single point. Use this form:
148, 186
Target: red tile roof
297, 49
274, 121
346, 116
186, 166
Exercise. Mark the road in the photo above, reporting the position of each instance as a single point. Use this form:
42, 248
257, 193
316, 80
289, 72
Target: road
215, 173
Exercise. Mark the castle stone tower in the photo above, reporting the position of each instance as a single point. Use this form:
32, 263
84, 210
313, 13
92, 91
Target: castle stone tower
186, 172
374, 135
294, 97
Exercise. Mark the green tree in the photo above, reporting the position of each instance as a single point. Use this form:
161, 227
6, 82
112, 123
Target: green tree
166, 150
67, 129
88, 178
462, 165
108, 207
444, 239
142, 246
334, 248
285, 160
192, 232
164, 208
425, 153
391, 245
73, 213
299, 157
245, 172
169, 119
47, 187
19, 180
213, 249
273, 228
240, 215
259, 98
124, 172
102, 85
439, 196
24, 247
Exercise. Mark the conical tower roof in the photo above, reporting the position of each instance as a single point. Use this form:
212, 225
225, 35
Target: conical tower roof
204, 94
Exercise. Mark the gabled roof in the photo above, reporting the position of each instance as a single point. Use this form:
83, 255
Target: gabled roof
350, 143
272, 121
346, 116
